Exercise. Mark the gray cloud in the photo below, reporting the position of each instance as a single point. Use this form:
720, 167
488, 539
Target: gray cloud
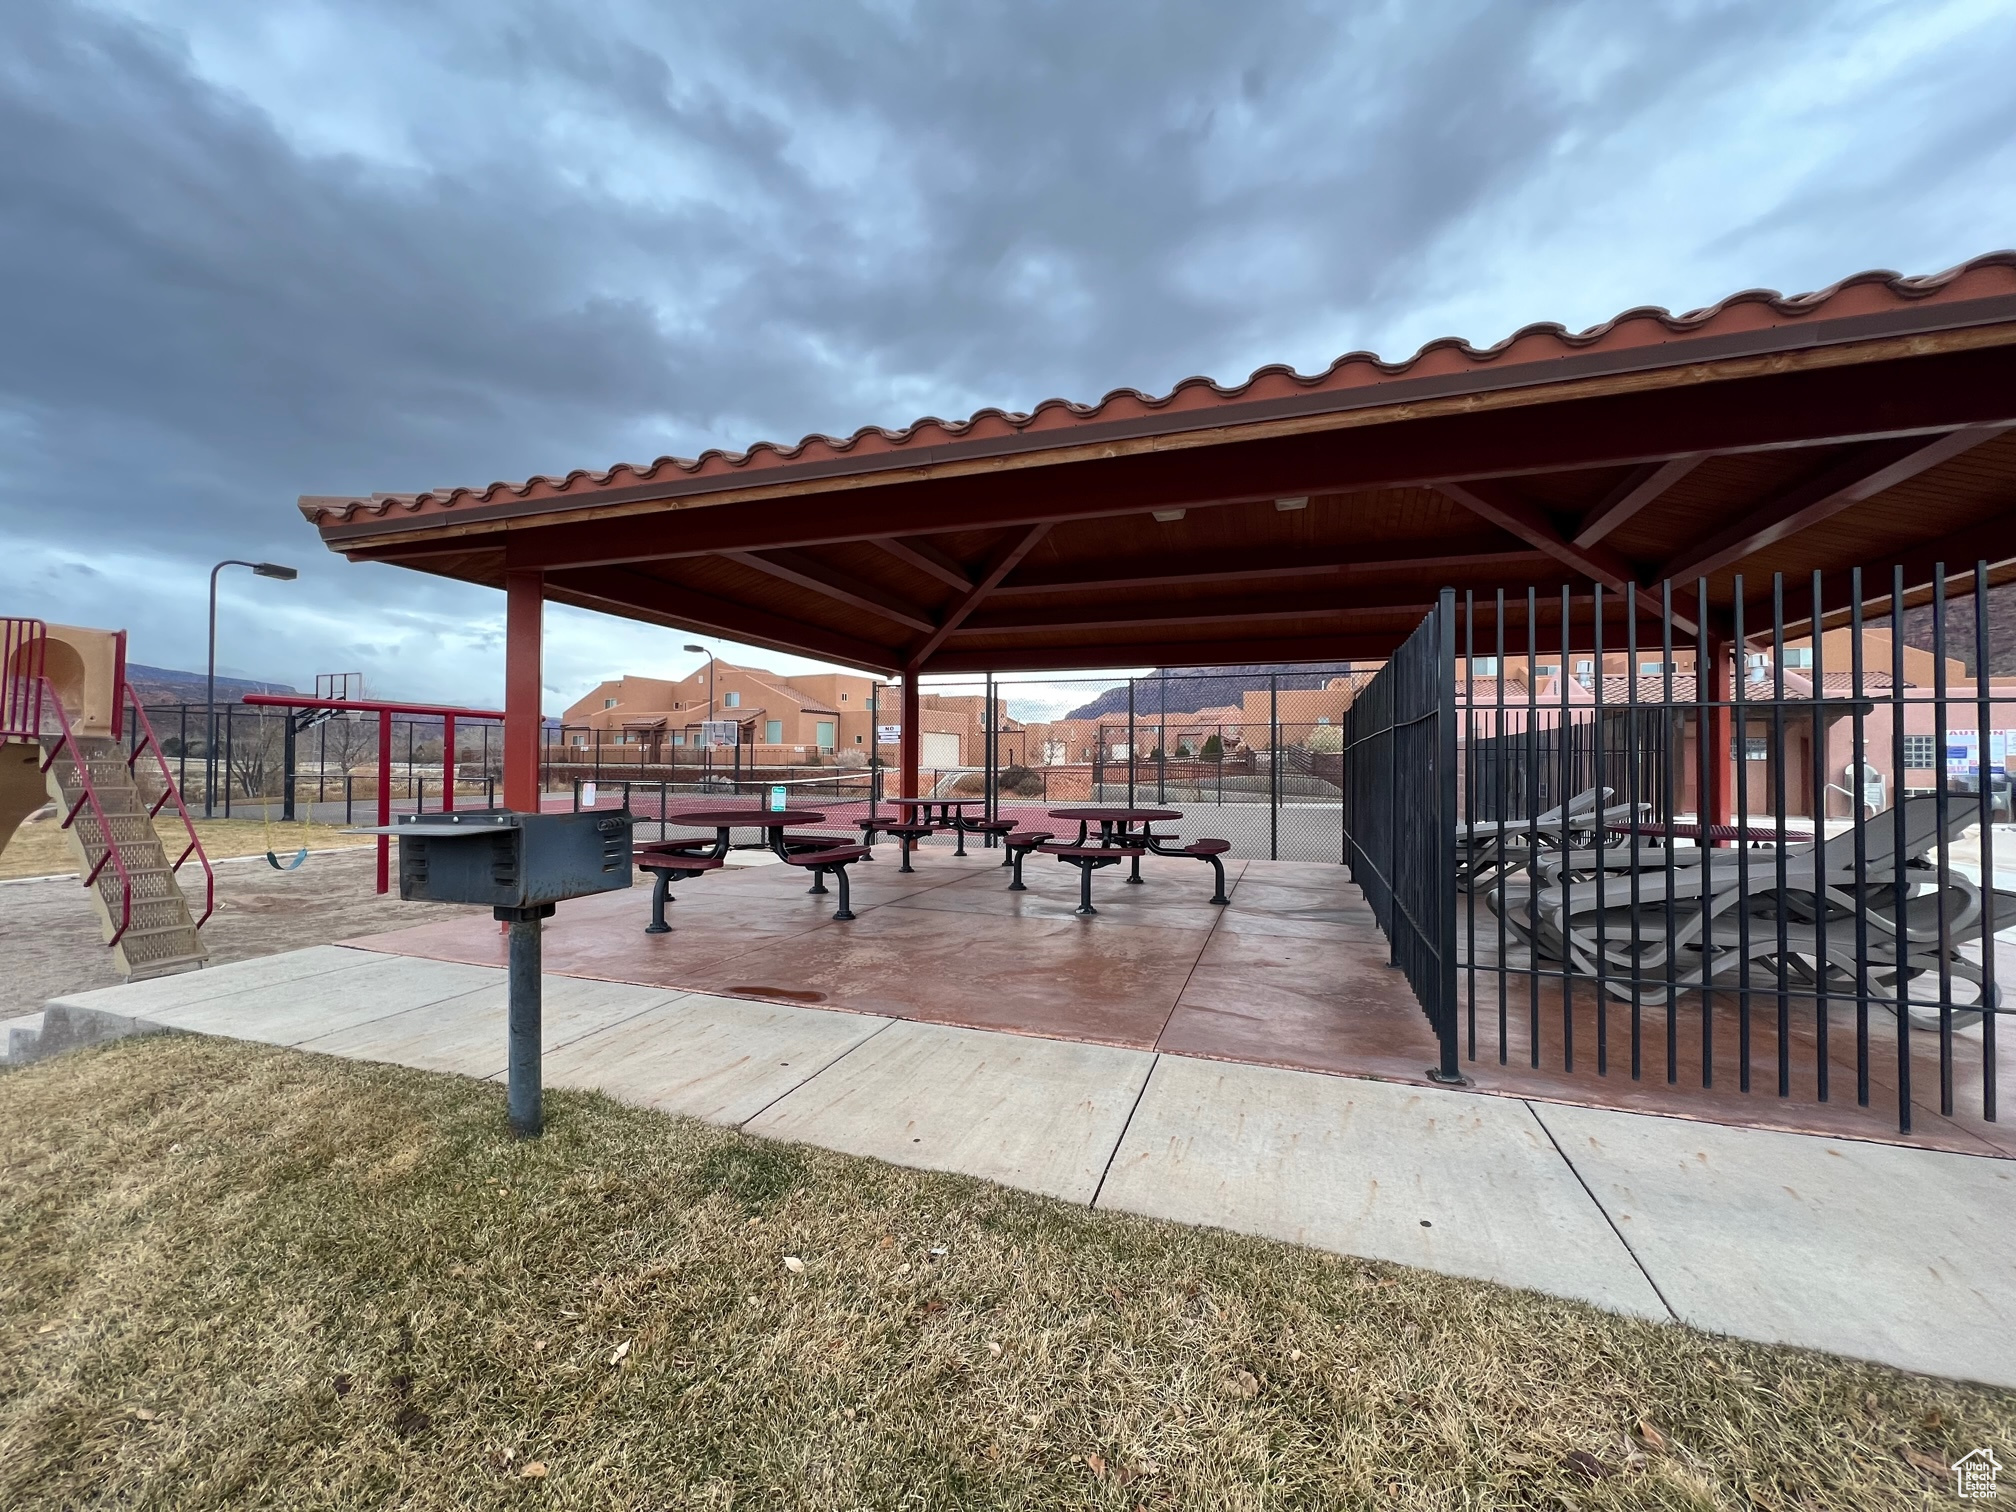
275, 249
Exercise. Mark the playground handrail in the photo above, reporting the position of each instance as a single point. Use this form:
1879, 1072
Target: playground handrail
145, 726
23, 649
90, 796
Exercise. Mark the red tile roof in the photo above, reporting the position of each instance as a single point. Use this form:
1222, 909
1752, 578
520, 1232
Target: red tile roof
1744, 324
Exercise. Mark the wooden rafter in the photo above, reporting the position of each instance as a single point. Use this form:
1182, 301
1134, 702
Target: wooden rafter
1494, 501
998, 567
1862, 474
929, 560
1279, 562
1640, 488
1272, 607
624, 591
804, 572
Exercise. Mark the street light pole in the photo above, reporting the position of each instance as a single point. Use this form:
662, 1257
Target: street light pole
707, 733
259, 569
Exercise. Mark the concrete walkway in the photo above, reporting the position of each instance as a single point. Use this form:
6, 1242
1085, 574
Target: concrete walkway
1868, 1250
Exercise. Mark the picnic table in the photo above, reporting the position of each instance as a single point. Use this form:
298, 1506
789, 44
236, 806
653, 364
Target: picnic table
773, 823
1116, 825
919, 810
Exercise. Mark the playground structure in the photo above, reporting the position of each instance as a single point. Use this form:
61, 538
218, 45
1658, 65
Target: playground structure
72, 733
303, 712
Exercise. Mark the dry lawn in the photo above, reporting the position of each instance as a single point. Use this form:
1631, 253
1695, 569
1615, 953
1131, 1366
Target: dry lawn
240, 1276
42, 849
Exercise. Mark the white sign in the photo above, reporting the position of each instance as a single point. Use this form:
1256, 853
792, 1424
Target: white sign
1963, 751
720, 732
888, 734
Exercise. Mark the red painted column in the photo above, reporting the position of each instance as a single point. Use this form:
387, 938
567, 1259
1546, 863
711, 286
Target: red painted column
910, 750
447, 763
1721, 805
524, 614
384, 798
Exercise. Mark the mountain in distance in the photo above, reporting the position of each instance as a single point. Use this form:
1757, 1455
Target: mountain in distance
1194, 688
165, 685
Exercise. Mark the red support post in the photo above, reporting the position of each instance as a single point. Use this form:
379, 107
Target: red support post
911, 744
384, 798
524, 610
1720, 807
447, 763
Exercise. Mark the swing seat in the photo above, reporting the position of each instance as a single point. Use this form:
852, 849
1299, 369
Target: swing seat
278, 865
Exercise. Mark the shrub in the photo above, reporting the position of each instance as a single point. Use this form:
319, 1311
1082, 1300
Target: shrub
1021, 782
1213, 748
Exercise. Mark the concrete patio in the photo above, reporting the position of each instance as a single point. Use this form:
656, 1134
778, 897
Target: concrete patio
1854, 1247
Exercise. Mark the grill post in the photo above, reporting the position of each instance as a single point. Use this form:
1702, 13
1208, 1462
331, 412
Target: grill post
523, 1097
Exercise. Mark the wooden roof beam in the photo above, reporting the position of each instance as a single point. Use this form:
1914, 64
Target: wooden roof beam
929, 560
1640, 488
619, 590
998, 567
1992, 540
1272, 607
804, 572
1494, 501
1344, 645
1861, 475
1237, 566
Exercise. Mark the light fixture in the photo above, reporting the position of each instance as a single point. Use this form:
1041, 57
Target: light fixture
1169, 516
1284, 505
274, 570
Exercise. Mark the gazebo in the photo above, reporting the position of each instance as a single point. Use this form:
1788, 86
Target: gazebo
1289, 517
1852, 444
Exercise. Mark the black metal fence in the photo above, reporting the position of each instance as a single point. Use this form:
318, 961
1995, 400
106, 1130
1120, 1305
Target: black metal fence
1400, 814
1751, 847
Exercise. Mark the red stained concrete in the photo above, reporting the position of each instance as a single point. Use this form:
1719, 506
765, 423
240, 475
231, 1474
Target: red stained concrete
1292, 974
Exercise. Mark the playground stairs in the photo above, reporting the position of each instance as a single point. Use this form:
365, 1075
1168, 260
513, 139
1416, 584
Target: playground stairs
121, 855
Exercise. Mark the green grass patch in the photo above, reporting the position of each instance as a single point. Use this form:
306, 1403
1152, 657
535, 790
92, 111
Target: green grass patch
233, 1276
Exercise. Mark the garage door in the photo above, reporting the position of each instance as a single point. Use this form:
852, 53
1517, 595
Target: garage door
941, 749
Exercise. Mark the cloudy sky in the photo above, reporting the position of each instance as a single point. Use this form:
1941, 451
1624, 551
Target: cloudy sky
256, 248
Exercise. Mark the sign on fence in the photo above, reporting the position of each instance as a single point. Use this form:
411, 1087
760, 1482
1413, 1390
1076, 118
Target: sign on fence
888, 734
1963, 751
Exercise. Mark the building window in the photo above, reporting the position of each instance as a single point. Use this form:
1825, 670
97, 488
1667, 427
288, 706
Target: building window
857, 740
1547, 669
1799, 656
1921, 751
822, 734
1483, 666
843, 698
1755, 748
678, 740
608, 703
731, 700
1656, 668
773, 732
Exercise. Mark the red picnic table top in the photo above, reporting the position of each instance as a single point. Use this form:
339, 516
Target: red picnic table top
749, 818
1116, 815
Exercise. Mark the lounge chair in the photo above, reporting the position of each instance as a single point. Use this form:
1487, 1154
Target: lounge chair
1617, 928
